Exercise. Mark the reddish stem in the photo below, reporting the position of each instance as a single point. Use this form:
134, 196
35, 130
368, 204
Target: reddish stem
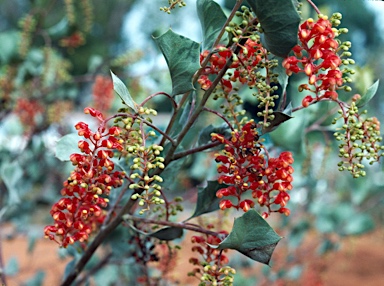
314, 7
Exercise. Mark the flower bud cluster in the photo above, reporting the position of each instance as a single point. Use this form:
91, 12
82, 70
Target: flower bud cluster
27, 110
245, 167
80, 211
147, 189
145, 159
244, 65
359, 140
210, 267
317, 55
28, 25
172, 5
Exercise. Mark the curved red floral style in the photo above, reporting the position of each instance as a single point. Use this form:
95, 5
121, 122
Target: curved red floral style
316, 56
245, 167
80, 211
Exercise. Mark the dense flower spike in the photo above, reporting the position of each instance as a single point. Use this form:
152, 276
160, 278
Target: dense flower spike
317, 56
209, 268
244, 167
359, 139
244, 65
80, 211
27, 110
103, 93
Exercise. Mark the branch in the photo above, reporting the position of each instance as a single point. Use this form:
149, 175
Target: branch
172, 224
180, 155
174, 104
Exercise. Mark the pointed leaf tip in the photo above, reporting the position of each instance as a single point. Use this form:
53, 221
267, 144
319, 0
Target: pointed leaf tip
371, 91
123, 92
183, 59
252, 236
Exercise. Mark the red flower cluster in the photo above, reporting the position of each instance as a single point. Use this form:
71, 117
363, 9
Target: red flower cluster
317, 40
103, 93
247, 60
73, 41
80, 212
209, 256
27, 109
245, 168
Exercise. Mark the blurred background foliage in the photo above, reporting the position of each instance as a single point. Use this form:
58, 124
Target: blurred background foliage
55, 57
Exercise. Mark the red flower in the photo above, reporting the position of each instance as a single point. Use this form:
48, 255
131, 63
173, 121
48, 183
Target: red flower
80, 212
244, 167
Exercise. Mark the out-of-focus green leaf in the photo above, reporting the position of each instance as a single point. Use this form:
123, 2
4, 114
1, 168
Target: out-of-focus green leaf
358, 224
205, 134
280, 22
11, 173
206, 198
37, 280
107, 275
371, 91
183, 58
123, 92
252, 236
66, 146
69, 267
210, 25
12, 267
9, 42
168, 233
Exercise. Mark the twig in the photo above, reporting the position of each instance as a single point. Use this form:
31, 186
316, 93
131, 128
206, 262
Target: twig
174, 104
180, 155
219, 115
172, 224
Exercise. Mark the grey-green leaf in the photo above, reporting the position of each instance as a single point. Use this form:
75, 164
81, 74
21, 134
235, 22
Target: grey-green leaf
211, 26
280, 22
280, 117
168, 233
66, 146
206, 198
371, 91
183, 59
252, 236
123, 92
205, 133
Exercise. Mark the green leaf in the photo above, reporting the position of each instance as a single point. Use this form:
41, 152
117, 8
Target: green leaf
168, 233
206, 198
37, 280
210, 25
11, 173
66, 146
371, 91
183, 59
205, 134
9, 42
108, 275
252, 236
358, 224
280, 22
69, 267
12, 267
280, 117
123, 92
